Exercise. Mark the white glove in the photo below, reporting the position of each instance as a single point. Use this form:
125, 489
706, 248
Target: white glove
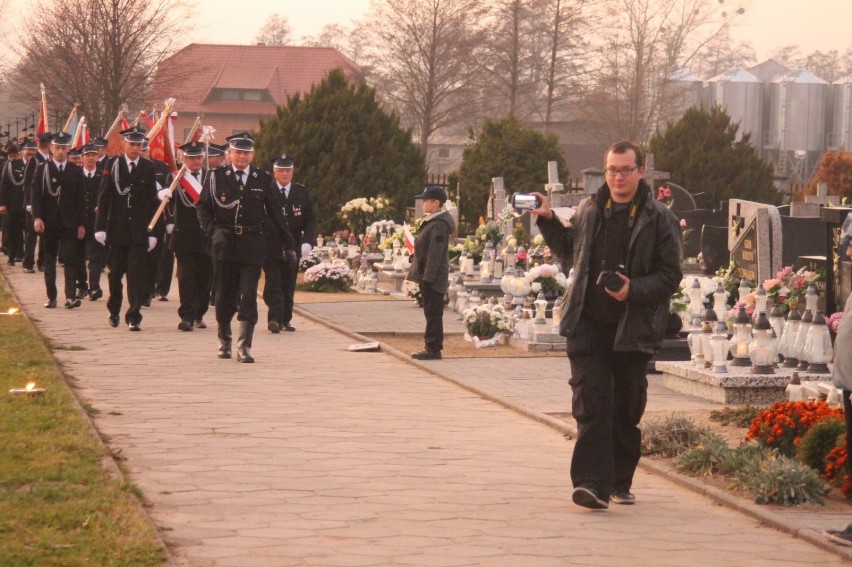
170, 227
162, 194
306, 249
100, 236
29, 209
152, 241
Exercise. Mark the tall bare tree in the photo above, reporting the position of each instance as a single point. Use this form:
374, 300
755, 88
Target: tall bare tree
722, 53
647, 43
276, 31
423, 54
98, 53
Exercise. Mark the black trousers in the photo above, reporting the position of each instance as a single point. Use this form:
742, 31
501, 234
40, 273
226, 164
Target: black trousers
165, 268
236, 291
279, 289
96, 254
132, 261
433, 309
53, 240
195, 277
32, 243
610, 390
13, 236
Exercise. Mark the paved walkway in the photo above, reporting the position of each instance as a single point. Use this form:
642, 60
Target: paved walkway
318, 456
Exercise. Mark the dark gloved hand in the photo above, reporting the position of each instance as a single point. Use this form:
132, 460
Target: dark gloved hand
291, 259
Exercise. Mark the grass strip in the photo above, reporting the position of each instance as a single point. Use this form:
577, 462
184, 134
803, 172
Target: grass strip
58, 506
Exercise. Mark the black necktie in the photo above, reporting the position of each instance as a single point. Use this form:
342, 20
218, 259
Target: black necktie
239, 176
90, 174
132, 166
196, 174
61, 167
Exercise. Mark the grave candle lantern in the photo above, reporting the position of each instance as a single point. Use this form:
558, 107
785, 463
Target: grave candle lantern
540, 309
487, 264
802, 339
762, 351
509, 257
696, 299
742, 339
720, 302
693, 341
820, 351
787, 348
760, 299
710, 321
744, 289
811, 298
719, 344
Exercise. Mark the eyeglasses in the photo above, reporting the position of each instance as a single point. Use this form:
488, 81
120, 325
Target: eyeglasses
624, 171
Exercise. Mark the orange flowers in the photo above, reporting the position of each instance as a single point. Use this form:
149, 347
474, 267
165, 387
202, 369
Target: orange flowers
783, 425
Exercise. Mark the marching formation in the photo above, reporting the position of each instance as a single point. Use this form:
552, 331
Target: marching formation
220, 216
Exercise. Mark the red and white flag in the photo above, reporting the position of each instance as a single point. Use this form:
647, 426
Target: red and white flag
191, 186
409, 238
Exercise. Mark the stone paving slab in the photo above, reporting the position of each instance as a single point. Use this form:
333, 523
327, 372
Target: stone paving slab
318, 456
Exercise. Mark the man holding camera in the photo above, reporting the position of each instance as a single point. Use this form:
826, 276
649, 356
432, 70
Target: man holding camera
625, 249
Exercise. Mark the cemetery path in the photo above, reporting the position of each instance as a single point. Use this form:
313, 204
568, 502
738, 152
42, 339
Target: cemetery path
318, 456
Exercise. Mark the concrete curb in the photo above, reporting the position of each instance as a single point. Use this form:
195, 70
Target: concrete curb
760, 513
108, 461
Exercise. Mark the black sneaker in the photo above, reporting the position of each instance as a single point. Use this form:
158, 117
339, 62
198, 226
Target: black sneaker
426, 355
623, 497
113, 321
274, 327
201, 324
185, 325
587, 497
95, 294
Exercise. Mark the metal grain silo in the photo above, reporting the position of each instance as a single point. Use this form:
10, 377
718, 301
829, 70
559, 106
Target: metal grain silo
740, 94
797, 112
842, 119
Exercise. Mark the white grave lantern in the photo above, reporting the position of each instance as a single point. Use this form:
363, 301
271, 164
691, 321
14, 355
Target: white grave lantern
696, 299
540, 309
719, 344
743, 290
710, 321
820, 351
720, 302
762, 350
741, 340
802, 339
787, 347
760, 299
486, 267
811, 298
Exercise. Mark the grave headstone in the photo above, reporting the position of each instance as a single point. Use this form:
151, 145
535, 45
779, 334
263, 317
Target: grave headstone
593, 178
801, 236
553, 185
830, 200
755, 239
651, 174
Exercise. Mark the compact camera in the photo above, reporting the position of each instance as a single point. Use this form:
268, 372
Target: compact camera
525, 201
611, 280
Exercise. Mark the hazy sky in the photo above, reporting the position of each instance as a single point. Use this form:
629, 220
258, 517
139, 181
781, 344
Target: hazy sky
812, 24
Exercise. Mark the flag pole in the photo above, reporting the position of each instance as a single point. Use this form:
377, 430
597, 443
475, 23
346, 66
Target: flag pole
167, 111
114, 125
44, 107
193, 130
165, 201
71, 117
80, 127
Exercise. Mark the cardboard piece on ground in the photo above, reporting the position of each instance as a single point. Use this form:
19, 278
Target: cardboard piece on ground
364, 347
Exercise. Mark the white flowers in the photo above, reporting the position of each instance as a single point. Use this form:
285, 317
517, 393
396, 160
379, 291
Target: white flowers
485, 320
546, 277
329, 277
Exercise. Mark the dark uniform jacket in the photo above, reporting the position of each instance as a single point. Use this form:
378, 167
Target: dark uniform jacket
58, 198
431, 263
653, 266
29, 174
127, 203
12, 187
92, 186
187, 236
233, 215
299, 211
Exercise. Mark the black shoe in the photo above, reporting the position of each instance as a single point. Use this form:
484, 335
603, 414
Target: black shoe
201, 324
224, 353
146, 302
51, 304
95, 294
587, 497
81, 292
29, 271
622, 497
274, 327
426, 355
185, 326
134, 326
288, 327
162, 298
113, 321
72, 303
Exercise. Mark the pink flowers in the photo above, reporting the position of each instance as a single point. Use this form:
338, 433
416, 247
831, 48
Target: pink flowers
683, 223
664, 193
833, 321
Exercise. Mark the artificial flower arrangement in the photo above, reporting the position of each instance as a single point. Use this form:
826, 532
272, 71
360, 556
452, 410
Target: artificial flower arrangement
486, 320
309, 260
359, 213
378, 229
329, 277
788, 287
546, 278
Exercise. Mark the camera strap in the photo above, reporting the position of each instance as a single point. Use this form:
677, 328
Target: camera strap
631, 220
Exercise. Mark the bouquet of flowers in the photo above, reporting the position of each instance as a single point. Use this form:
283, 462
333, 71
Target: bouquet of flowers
310, 260
486, 320
788, 288
489, 231
377, 229
833, 321
328, 277
359, 213
546, 278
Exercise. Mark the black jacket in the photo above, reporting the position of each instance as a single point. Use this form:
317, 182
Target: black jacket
653, 266
298, 209
187, 236
12, 187
431, 262
92, 187
233, 217
58, 198
127, 203
29, 173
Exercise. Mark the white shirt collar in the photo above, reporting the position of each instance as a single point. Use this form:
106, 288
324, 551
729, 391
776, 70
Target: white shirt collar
128, 161
61, 164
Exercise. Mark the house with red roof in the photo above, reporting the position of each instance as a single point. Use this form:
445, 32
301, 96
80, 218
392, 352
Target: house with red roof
232, 86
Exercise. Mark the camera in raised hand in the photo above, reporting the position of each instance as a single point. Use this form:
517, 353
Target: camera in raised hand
611, 280
525, 202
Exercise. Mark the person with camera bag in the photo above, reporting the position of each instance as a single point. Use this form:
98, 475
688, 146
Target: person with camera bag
625, 249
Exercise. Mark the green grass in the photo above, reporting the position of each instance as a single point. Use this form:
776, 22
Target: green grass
58, 507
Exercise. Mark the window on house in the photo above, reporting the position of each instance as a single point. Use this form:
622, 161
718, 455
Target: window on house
443, 153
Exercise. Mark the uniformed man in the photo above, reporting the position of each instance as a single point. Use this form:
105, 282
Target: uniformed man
216, 155
12, 202
31, 240
58, 209
235, 203
101, 145
127, 201
161, 259
95, 254
74, 156
189, 244
280, 282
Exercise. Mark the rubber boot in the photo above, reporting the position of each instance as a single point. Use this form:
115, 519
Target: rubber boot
224, 341
244, 342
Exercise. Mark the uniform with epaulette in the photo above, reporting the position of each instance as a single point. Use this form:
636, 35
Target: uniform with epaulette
12, 197
235, 203
189, 244
58, 208
127, 201
91, 265
31, 240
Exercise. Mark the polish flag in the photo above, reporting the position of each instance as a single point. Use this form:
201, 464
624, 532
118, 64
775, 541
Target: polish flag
409, 238
191, 186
